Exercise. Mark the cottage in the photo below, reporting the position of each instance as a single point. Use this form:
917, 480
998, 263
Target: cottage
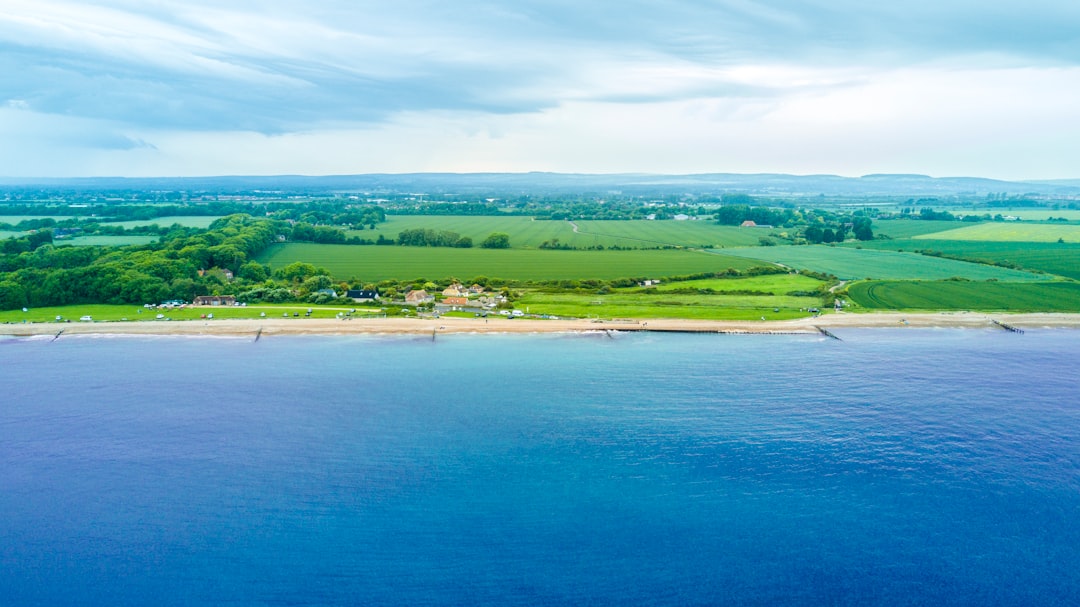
214, 300
454, 290
418, 296
361, 295
456, 301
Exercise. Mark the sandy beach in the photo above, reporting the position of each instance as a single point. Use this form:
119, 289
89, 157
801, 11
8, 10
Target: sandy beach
295, 326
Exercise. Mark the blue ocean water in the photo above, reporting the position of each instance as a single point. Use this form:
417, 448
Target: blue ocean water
899, 466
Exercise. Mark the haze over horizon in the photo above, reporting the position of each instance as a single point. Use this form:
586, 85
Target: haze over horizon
190, 88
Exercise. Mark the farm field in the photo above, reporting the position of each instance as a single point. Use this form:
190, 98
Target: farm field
374, 263
164, 222
959, 295
14, 219
1010, 231
106, 241
850, 263
1054, 258
4, 234
527, 233
908, 228
777, 284
626, 305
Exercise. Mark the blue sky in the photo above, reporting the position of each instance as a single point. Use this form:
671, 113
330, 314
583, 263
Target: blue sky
165, 87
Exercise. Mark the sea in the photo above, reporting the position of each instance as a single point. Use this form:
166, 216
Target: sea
898, 466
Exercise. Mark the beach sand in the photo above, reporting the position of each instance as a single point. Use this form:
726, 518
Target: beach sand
305, 326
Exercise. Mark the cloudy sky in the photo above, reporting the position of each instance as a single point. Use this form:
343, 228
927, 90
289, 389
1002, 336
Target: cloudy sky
191, 87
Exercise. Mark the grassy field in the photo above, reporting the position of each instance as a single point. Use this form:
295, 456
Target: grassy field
980, 296
1010, 231
373, 263
14, 219
526, 233
705, 234
4, 235
131, 313
106, 241
850, 263
908, 228
777, 284
186, 221
625, 305
1055, 258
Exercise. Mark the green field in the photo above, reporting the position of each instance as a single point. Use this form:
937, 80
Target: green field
625, 305
1054, 258
850, 263
4, 235
374, 263
106, 241
201, 222
14, 219
908, 228
1010, 231
527, 233
110, 313
777, 284
983, 296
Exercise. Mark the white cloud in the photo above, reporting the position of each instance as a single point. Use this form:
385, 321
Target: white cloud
186, 87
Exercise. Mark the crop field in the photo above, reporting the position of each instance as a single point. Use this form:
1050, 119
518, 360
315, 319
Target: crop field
1011, 231
953, 295
527, 233
1041, 214
164, 222
705, 234
1054, 258
106, 241
851, 263
777, 284
14, 219
625, 305
908, 228
373, 263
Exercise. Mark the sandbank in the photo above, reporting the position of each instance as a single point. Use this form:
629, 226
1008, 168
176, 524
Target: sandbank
306, 326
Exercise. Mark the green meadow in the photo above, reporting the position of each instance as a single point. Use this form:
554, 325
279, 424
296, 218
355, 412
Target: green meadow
959, 295
111, 313
374, 263
1010, 231
1050, 257
95, 240
666, 305
850, 263
909, 228
776, 284
527, 233
201, 222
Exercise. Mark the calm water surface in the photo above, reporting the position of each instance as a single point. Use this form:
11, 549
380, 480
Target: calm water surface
905, 467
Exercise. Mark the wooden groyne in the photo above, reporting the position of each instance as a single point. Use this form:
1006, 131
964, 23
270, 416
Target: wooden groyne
827, 333
258, 334
1009, 328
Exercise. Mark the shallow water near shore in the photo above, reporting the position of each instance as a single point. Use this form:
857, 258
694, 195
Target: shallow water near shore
898, 466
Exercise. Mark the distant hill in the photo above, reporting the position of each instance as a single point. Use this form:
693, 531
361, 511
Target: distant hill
765, 184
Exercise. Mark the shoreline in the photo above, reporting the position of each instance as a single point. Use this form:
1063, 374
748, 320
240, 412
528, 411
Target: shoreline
423, 326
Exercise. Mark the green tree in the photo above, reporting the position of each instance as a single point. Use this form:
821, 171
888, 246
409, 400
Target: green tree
496, 240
